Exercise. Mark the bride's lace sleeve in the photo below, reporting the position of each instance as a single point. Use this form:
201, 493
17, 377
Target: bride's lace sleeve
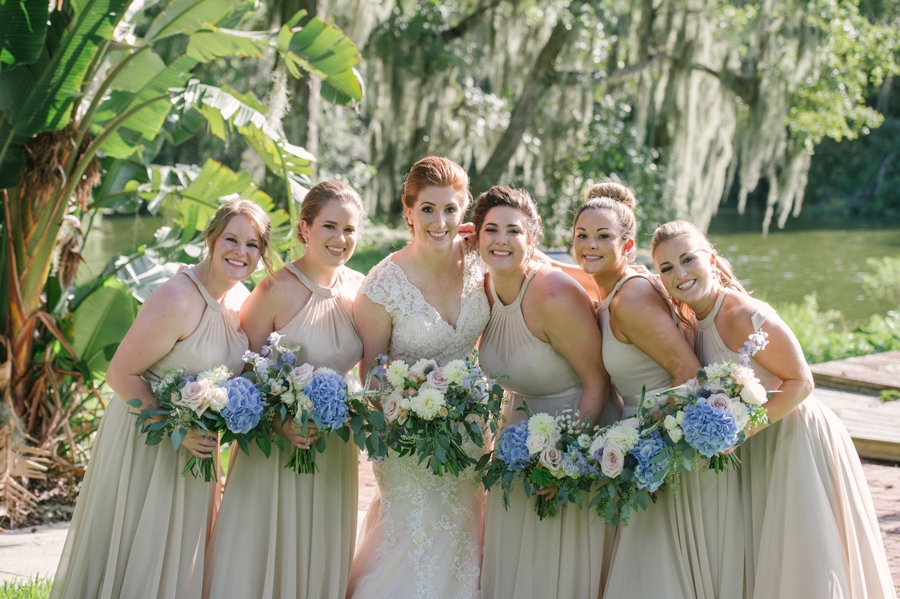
386, 285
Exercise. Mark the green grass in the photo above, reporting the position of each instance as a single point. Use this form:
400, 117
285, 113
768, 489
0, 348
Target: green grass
39, 588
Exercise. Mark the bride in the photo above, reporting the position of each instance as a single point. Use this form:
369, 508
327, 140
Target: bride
422, 536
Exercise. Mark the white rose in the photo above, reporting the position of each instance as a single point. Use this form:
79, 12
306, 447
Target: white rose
680, 417
740, 413
676, 434
613, 460
670, 422
743, 375
455, 372
754, 393
396, 373
301, 375
353, 384
421, 369
304, 402
392, 405
551, 458
289, 397
719, 400
536, 443
218, 399
276, 387
597, 447
195, 396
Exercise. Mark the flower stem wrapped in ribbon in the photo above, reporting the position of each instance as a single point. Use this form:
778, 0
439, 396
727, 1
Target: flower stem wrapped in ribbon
212, 401
434, 412
305, 394
543, 451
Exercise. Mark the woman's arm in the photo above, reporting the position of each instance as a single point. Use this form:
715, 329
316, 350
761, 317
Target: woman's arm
783, 356
374, 326
566, 319
259, 311
644, 319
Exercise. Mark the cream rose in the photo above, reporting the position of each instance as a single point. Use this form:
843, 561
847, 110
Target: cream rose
740, 413
195, 396
743, 375
392, 405
421, 369
613, 460
551, 458
218, 399
718, 400
676, 434
436, 380
536, 443
596, 449
301, 375
754, 393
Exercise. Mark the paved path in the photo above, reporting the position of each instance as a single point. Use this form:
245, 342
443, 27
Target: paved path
24, 554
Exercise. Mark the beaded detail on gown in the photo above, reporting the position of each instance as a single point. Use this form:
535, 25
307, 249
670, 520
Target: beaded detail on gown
140, 528
422, 535
282, 535
810, 527
564, 557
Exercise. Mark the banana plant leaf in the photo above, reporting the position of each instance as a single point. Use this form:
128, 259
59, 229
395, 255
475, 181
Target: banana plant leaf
23, 32
100, 324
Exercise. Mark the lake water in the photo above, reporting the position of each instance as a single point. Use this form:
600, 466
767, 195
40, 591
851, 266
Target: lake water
812, 255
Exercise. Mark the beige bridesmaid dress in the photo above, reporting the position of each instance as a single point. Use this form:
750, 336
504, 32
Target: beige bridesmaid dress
564, 557
691, 537
140, 528
810, 525
285, 535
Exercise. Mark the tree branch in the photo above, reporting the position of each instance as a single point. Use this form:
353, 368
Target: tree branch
460, 29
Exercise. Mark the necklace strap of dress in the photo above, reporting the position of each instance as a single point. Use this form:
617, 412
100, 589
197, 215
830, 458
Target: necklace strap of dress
206, 296
711, 317
529, 274
309, 284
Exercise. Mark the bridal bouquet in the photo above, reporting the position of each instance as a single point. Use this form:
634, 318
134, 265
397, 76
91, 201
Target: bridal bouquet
307, 394
630, 463
433, 411
543, 451
212, 401
710, 414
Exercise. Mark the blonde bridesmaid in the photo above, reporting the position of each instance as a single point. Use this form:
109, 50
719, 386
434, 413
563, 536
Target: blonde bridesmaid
544, 339
808, 519
280, 534
691, 535
140, 527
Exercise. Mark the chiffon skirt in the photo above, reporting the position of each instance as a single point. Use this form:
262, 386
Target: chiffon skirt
691, 539
285, 535
139, 528
811, 527
564, 557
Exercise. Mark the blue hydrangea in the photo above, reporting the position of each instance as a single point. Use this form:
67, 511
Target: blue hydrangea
709, 430
648, 468
328, 394
245, 405
511, 446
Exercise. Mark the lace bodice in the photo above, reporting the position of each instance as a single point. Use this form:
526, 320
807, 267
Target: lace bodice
418, 331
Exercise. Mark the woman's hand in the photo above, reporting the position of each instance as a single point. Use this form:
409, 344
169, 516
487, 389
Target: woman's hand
299, 440
201, 443
467, 231
547, 491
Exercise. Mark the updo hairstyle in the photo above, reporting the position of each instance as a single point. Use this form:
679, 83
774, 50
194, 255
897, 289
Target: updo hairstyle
322, 193
435, 171
618, 199
248, 209
519, 199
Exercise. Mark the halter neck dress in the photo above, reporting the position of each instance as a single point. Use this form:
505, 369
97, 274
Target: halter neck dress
282, 535
140, 528
810, 525
691, 535
564, 557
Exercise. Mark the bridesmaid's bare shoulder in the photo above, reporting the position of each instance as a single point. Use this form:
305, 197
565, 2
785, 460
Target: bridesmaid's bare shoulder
557, 290
175, 304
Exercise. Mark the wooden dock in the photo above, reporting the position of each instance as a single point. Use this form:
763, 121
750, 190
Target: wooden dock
850, 388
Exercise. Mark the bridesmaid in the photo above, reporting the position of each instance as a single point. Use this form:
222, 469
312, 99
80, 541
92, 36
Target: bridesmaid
686, 534
809, 522
542, 335
280, 534
140, 528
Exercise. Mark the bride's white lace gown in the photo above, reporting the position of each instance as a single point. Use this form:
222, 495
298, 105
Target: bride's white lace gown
421, 537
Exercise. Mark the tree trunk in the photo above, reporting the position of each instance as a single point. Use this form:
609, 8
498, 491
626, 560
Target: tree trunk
539, 79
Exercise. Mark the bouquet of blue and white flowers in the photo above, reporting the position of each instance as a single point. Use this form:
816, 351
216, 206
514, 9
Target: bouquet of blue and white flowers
432, 411
306, 394
212, 401
709, 414
633, 462
543, 451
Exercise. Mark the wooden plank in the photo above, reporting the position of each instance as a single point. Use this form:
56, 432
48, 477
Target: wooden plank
874, 372
873, 425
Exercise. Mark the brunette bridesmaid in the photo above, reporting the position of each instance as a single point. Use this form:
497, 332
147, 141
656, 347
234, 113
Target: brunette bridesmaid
280, 534
691, 535
809, 522
544, 339
140, 528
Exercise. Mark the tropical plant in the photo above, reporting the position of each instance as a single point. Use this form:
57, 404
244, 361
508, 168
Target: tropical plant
85, 101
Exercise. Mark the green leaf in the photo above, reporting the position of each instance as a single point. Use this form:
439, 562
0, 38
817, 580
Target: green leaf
135, 403
23, 27
177, 438
101, 320
188, 16
264, 445
213, 43
377, 420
